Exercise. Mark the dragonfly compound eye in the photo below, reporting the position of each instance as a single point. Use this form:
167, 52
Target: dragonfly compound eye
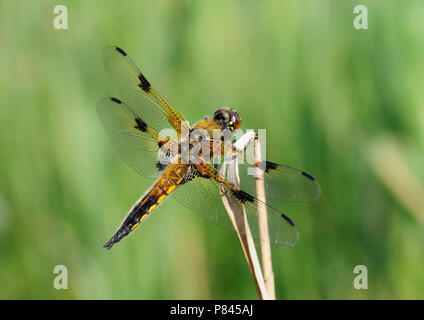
220, 117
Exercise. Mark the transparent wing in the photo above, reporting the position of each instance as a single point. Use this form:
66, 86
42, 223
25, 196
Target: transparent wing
136, 91
202, 195
134, 140
281, 182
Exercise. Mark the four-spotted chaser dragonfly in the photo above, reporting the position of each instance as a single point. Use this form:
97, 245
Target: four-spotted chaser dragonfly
135, 122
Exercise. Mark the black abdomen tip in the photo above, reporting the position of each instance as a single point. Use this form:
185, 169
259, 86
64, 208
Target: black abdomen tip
110, 243
121, 233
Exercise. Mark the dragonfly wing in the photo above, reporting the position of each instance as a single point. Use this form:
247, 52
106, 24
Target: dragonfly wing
134, 140
137, 92
202, 195
281, 182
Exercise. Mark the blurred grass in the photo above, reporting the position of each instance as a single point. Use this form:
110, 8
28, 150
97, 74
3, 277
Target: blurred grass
323, 90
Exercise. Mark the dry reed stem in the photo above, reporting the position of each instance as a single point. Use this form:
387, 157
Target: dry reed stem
238, 218
263, 225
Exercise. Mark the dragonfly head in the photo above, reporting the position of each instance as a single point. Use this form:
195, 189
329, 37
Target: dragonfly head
227, 119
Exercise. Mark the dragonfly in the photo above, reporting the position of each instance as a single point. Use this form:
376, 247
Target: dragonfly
135, 123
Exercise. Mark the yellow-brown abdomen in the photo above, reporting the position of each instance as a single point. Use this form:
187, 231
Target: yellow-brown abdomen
167, 182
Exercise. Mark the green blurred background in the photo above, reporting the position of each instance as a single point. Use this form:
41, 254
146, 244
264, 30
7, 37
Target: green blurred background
345, 105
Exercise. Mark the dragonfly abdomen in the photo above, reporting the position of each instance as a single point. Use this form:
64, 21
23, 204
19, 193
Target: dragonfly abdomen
138, 213
142, 209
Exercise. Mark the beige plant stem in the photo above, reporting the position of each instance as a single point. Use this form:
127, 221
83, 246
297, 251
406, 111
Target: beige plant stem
263, 225
238, 218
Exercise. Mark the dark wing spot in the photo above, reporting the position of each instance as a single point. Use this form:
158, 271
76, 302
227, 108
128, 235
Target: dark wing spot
308, 175
141, 125
287, 219
270, 166
144, 84
242, 196
121, 51
116, 100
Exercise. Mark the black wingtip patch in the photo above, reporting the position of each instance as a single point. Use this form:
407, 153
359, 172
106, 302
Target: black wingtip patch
290, 221
307, 175
144, 84
116, 100
121, 51
141, 125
